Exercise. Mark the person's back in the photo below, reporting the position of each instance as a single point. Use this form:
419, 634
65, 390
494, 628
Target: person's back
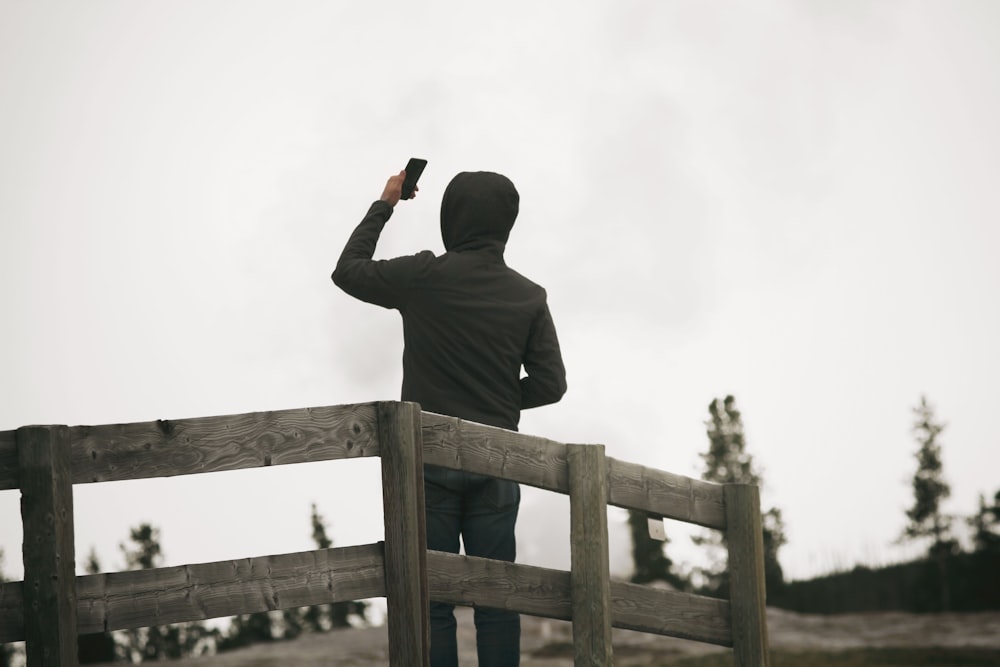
469, 325
469, 321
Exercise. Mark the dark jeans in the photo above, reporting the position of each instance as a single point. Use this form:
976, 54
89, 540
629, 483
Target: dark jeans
483, 511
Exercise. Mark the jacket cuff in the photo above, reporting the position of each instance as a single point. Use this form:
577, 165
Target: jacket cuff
381, 205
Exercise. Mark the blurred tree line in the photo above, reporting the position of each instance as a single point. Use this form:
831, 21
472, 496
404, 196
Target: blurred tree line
144, 551
946, 578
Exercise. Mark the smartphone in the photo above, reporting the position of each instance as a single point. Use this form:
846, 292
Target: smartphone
414, 168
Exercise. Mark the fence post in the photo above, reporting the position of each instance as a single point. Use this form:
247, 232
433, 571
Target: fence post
589, 578
49, 561
407, 601
748, 603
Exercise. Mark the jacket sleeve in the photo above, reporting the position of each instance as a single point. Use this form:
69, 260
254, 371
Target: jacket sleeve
385, 283
546, 376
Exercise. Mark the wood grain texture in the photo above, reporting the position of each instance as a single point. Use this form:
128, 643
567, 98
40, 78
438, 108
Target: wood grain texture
590, 576
140, 598
665, 612
637, 487
746, 574
9, 476
211, 444
461, 445
480, 582
49, 593
405, 533
487, 450
539, 591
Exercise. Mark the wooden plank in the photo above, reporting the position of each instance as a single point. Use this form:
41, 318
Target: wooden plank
211, 444
590, 576
49, 560
674, 496
527, 589
9, 477
665, 612
461, 445
405, 534
746, 575
228, 588
140, 598
482, 582
487, 450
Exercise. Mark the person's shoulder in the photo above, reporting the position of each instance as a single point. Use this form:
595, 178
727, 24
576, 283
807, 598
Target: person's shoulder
525, 282
424, 257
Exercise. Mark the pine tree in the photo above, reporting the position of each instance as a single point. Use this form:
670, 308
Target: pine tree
926, 518
143, 553
157, 642
986, 525
319, 618
728, 462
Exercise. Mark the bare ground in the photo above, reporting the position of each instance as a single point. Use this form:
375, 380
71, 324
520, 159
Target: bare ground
547, 643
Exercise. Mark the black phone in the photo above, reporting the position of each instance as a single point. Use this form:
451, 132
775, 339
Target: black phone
414, 168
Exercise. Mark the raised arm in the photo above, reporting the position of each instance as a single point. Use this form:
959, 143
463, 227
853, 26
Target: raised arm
381, 282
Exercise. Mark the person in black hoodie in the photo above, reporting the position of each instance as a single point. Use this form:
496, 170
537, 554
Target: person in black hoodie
470, 324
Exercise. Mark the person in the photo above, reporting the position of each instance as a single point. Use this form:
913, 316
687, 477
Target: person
470, 324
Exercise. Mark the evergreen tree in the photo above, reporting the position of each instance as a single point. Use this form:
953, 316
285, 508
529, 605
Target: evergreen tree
142, 553
100, 646
926, 518
650, 562
728, 462
158, 642
145, 552
319, 618
986, 526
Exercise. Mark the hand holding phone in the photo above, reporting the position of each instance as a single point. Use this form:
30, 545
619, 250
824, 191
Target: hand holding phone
414, 168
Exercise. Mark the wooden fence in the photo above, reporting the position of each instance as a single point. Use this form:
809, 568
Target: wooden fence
52, 605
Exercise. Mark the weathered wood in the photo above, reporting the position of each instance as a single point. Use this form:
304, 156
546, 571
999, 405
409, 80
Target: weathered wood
140, 598
212, 444
9, 476
487, 450
665, 612
195, 592
673, 496
590, 576
405, 533
460, 445
746, 575
49, 561
539, 591
480, 582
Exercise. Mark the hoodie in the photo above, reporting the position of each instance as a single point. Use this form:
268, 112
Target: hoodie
471, 324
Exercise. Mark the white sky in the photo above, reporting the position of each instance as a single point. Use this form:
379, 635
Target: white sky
795, 202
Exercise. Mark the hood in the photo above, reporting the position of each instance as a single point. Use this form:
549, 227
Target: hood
478, 211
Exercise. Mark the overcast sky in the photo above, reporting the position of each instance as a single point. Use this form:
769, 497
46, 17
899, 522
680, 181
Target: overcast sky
794, 202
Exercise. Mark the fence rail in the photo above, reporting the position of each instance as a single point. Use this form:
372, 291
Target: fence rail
55, 605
